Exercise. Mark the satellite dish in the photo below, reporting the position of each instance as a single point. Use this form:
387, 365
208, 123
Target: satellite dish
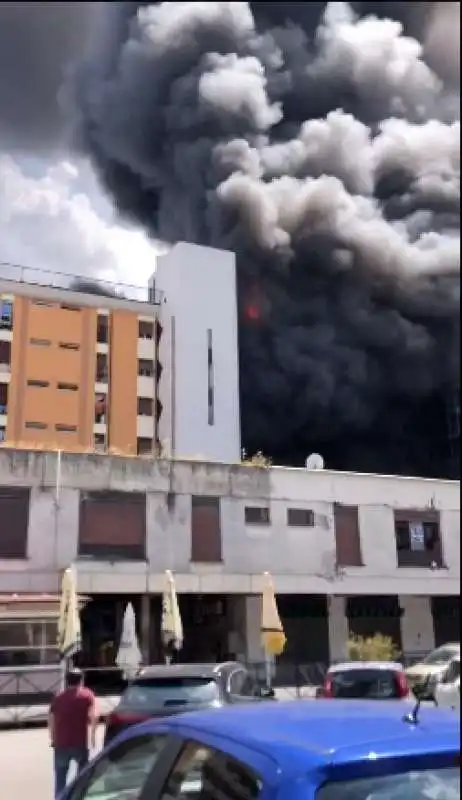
314, 461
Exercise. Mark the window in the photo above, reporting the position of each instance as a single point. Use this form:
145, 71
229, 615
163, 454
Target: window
6, 315
210, 380
27, 642
418, 542
14, 521
68, 387
5, 353
156, 694
99, 441
145, 368
241, 684
300, 518
69, 346
202, 772
102, 329
39, 342
452, 673
66, 428
38, 426
102, 369
2, 434
417, 784
3, 398
257, 515
145, 329
206, 546
144, 446
122, 773
100, 409
145, 407
347, 536
38, 384
158, 332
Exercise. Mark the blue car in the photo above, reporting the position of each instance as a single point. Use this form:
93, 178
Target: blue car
324, 750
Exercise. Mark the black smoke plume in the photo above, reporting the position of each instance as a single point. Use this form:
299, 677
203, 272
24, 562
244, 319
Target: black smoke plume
323, 149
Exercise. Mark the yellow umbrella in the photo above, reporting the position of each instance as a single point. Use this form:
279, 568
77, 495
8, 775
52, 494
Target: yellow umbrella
273, 638
69, 631
171, 624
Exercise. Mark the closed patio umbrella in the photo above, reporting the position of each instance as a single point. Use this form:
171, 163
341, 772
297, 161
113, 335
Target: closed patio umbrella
171, 624
273, 638
69, 630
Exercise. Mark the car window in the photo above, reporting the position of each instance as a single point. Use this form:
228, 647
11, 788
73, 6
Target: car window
452, 672
241, 683
439, 656
122, 773
202, 773
368, 684
430, 784
157, 693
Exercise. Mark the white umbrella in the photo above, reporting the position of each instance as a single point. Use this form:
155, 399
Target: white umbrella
129, 655
171, 626
69, 631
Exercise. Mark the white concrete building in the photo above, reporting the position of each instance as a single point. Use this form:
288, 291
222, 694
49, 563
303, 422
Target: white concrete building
335, 543
198, 353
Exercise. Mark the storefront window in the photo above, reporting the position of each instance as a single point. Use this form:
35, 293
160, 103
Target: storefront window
28, 642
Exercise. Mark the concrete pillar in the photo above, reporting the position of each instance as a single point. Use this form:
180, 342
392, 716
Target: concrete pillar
145, 628
417, 630
254, 650
338, 629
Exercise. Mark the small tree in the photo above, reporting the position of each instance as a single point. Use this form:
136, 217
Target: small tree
372, 648
257, 460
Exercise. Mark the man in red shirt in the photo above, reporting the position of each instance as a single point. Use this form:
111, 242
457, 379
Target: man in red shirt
71, 718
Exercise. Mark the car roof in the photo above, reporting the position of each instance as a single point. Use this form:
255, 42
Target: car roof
184, 670
345, 666
304, 734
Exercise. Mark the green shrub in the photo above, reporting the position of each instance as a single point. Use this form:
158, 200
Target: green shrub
372, 648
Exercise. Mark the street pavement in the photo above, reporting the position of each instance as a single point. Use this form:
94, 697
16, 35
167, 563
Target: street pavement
26, 768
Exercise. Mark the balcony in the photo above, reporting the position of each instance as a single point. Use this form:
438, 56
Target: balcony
5, 361
3, 410
102, 369
6, 319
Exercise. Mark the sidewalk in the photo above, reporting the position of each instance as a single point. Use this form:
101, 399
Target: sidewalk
17, 716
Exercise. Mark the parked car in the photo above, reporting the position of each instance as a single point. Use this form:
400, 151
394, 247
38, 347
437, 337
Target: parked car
423, 676
162, 691
300, 750
447, 689
366, 680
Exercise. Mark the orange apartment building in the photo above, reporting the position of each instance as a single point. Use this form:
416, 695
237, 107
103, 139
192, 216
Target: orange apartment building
77, 371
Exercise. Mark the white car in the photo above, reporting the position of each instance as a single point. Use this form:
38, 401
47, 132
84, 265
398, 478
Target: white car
366, 680
447, 689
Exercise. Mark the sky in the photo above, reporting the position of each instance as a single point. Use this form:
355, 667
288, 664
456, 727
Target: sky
53, 214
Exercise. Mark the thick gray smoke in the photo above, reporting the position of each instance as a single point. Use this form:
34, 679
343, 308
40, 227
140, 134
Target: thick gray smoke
324, 150
38, 42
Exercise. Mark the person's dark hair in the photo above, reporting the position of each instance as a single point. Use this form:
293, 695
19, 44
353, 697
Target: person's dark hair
74, 677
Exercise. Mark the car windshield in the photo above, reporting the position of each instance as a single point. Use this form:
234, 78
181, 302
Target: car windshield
374, 684
156, 693
440, 656
431, 784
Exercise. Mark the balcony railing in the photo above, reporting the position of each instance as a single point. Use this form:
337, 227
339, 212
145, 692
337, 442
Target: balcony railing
77, 283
